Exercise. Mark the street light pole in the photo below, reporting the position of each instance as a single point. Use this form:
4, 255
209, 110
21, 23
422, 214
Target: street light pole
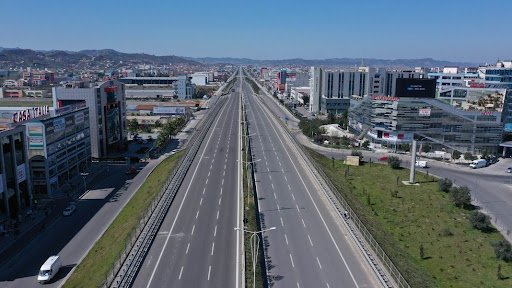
255, 244
247, 163
84, 177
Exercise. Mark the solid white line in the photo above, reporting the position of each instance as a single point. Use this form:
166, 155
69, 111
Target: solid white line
303, 223
291, 260
282, 224
209, 271
240, 189
204, 190
222, 181
215, 231
188, 246
275, 195
197, 214
217, 214
213, 247
286, 239
297, 206
220, 200
311, 197
183, 201
310, 242
318, 261
181, 271
201, 202
293, 196
193, 228
206, 183
209, 173
220, 191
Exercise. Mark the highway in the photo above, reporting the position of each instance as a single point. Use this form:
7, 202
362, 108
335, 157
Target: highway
310, 246
196, 245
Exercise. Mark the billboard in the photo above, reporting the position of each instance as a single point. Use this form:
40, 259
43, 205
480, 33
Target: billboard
415, 88
424, 112
35, 137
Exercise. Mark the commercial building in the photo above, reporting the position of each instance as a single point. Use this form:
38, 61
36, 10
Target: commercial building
199, 78
59, 148
15, 182
107, 109
184, 88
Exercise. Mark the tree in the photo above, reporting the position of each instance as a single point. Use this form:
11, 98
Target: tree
133, 125
405, 147
481, 221
426, 148
394, 162
305, 99
456, 154
469, 156
503, 250
461, 196
357, 153
344, 119
365, 144
445, 185
344, 141
331, 118
158, 124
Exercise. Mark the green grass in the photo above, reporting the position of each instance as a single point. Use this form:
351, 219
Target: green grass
92, 271
419, 215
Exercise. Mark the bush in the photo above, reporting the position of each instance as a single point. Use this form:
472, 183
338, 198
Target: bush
481, 221
357, 153
445, 185
365, 144
503, 250
394, 162
469, 156
461, 196
456, 155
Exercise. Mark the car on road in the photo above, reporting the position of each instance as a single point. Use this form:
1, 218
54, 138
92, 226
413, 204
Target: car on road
69, 210
509, 170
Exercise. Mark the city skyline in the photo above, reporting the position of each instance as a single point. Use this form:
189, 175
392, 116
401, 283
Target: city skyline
466, 31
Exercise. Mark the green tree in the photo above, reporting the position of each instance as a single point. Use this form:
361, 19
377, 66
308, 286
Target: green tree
158, 124
480, 221
365, 144
344, 119
461, 196
357, 153
394, 162
456, 154
133, 125
503, 250
469, 156
445, 185
426, 148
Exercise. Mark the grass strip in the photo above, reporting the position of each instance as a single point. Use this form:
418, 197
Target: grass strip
404, 218
94, 268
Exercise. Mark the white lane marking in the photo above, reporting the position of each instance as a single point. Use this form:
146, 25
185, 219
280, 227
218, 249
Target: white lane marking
298, 286
282, 224
220, 191
193, 228
181, 205
209, 271
201, 202
224, 172
297, 206
290, 188
293, 196
286, 239
204, 190
188, 246
269, 176
310, 242
197, 214
209, 173
206, 182
215, 231
285, 178
275, 197
303, 223
213, 247
272, 184
327, 285
220, 200
222, 181
318, 261
181, 271
291, 260
217, 214
311, 197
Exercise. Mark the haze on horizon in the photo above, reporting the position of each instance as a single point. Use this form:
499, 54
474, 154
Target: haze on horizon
457, 30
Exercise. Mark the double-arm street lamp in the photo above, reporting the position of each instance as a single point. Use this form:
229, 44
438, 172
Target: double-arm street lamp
249, 163
84, 177
255, 242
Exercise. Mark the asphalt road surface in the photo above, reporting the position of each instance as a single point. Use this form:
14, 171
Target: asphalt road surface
196, 245
310, 246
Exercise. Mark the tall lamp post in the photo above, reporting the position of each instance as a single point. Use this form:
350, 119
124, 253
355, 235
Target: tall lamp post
248, 163
255, 242
84, 177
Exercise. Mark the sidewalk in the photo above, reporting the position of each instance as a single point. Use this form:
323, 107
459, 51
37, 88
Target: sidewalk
44, 213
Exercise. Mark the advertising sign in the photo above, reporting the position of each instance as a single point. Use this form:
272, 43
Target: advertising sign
508, 127
59, 124
415, 88
424, 112
79, 118
35, 137
21, 173
30, 113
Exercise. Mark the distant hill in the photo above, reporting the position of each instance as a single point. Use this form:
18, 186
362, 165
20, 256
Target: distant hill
103, 59
340, 62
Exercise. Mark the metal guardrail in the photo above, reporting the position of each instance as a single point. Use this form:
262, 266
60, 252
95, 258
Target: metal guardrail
125, 269
360, 229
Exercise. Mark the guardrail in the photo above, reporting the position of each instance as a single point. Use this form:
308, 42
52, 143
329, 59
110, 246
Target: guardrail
341, 205
126, 267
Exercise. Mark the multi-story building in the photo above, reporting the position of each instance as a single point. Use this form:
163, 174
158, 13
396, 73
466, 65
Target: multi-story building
59, 148
107, 113
185, 89
15, 182
38, 77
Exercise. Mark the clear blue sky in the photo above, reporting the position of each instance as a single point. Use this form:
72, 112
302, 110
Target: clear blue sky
461, 30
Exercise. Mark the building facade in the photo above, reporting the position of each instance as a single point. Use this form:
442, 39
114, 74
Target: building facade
15, 182
107, 109
59, 148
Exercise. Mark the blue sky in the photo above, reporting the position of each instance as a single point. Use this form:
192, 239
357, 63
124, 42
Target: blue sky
470, 30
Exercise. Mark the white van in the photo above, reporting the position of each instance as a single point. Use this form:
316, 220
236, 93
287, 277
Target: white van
49, 269
478, 163
421, 164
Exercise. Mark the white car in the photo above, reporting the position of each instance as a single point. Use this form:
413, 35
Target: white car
69, 210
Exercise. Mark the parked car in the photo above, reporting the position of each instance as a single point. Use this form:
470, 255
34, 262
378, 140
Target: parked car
69, 210
509, 170
479, 163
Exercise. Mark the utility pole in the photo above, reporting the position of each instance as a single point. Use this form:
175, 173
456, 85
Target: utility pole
413, 163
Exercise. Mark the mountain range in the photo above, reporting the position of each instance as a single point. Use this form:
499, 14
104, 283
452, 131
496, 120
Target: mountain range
109, 58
